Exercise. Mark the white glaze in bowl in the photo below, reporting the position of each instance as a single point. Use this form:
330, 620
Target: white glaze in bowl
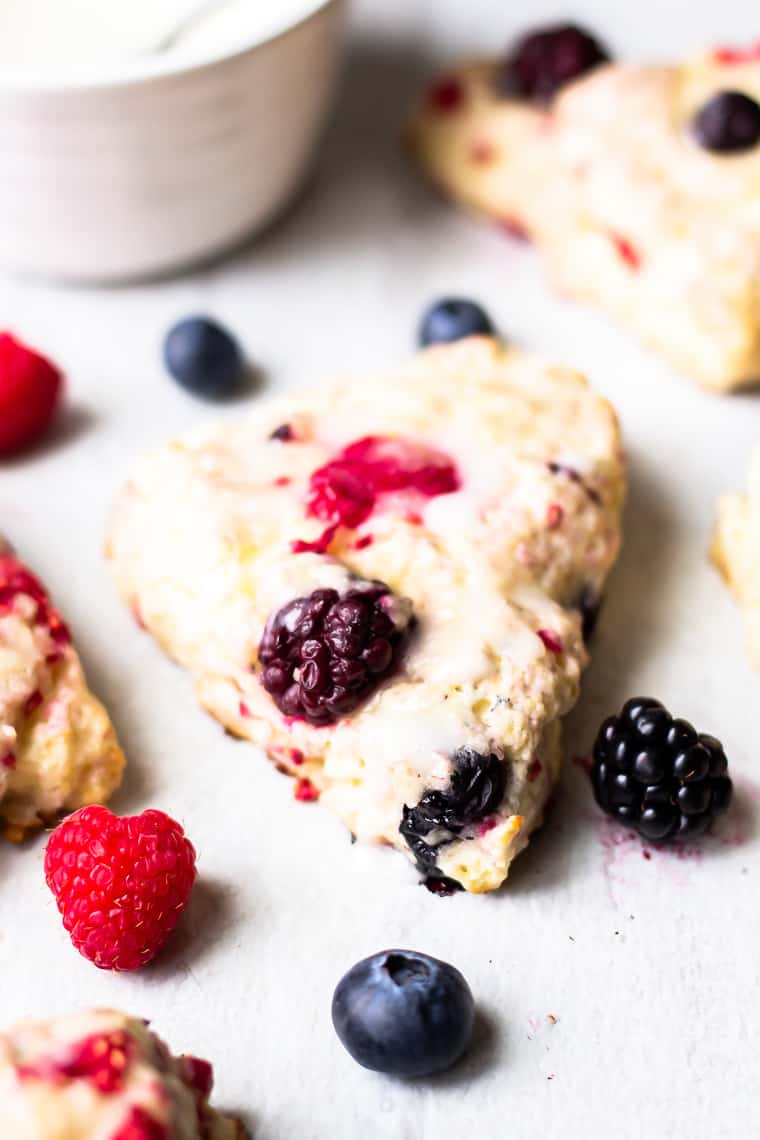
161, 160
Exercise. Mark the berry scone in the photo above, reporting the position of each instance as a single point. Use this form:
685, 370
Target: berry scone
384, 583
736, 551
58, 749
639, 184
101, 1075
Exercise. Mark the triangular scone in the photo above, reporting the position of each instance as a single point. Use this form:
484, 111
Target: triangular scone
481, 486
736, 551
58, 749
630, 213
103, 1074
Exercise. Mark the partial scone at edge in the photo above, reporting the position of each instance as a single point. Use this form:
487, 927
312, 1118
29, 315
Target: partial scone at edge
58, 748
102, 1073
735, 551
500, 575
628, 211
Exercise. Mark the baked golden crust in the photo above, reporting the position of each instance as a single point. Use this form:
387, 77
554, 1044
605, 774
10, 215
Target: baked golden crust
58, 748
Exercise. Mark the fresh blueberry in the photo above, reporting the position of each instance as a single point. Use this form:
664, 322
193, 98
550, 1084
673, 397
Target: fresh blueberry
452, 319
404, 1013
203, 357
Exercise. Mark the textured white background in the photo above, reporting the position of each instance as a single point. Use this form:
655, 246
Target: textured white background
651, 966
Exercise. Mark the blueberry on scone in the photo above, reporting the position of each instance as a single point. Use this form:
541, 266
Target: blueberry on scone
104, 1074
657, 774
58, 749
383, 583
637, 183
404, 1013
453, 319
204, 357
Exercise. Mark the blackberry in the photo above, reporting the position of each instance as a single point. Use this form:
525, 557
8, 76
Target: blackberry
727, 123
475, 790
326, 653
657, 774
544, 61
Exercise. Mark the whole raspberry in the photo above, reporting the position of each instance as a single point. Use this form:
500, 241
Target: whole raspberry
120, 884
326, 653
30, 387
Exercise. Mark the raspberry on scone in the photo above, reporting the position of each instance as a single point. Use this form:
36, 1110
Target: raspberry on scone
58, 749
101, 1074
638, 184
736, 552
384, 584
120, 884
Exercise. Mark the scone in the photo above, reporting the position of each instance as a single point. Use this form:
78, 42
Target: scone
639, 184
383, 584
101, 1075
58, 749
736, 551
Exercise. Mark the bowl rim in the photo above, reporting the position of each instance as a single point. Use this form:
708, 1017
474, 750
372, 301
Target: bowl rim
150, 67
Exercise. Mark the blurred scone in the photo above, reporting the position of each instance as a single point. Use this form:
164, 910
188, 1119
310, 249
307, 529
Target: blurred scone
58, 749
736, 551
101, 1075
383, 583
639, 184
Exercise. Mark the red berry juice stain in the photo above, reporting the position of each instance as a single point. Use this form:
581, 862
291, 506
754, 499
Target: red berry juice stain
346, 490
15, 580
626, 250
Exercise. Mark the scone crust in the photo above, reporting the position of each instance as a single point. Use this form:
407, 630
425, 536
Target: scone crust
630, 213
735, 551
201, 539
58, 748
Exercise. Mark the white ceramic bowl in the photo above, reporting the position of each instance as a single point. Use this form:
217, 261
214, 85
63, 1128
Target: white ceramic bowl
163, 162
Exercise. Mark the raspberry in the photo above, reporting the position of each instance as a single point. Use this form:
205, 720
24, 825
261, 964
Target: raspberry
139, 1125
120, 884
475, 790
30, 387
657, 774
326, 653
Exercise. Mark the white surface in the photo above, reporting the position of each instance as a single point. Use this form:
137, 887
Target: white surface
650, 966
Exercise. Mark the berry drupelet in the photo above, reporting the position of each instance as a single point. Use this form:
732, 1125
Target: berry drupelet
322, 655
475, 790
544, 61
657, 774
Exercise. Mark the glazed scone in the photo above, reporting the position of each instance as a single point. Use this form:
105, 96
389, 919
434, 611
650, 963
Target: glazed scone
631, 212
101, 1075
58, 749
736, 551
481, 488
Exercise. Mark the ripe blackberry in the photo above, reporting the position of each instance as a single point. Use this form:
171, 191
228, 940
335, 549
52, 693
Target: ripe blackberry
544, 61
326, 653
475, 790
656, 774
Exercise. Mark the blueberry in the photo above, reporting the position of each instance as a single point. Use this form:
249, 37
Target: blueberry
203, 357
403, 1013
727, 123
453, 319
